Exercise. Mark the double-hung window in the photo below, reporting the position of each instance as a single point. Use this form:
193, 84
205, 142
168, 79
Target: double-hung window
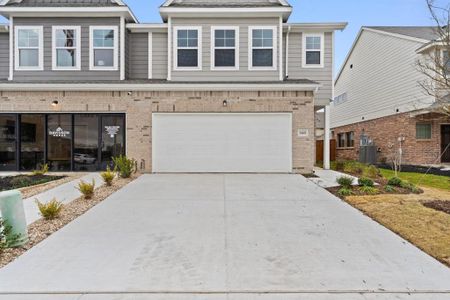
313, 50
224, 48
188, 45
423, 131
29, 48
104, 48
66, 48
262, 50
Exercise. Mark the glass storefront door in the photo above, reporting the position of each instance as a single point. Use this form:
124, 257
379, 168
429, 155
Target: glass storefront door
59, 142
8, 142
86, 143
113, 138
32, 141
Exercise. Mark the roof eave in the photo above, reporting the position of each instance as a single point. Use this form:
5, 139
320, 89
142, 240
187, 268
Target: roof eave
316, 26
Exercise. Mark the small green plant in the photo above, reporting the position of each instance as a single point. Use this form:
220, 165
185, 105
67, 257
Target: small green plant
21, 181
353, 167
124, 166
344, 192
108, 176
87, 189
411, 187
50, 210
339, 165
6, 239
390, 189
364, 181
345, 181
371, 171
395, 181
42, 171
369, 190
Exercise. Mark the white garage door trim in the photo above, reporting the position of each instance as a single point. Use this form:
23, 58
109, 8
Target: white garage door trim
222, 142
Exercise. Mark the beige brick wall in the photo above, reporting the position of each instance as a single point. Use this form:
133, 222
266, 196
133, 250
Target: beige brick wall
385, 132
139, 107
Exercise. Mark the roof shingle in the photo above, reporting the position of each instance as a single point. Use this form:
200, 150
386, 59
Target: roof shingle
62, 3
227, 3
422, 32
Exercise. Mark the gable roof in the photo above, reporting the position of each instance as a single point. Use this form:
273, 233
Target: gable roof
62, 3
222, 3
421, 32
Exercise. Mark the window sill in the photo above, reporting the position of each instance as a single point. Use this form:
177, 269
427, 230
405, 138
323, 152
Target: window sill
424, 140
313, 66
345, 148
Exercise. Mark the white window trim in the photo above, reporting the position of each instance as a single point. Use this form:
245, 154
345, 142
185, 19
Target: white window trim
236, 48
199, 48
40, 66
322, 50
115, 66
77, 30
274, 47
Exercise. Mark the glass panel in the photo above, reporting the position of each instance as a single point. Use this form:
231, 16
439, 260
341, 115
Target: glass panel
224, 38
341, 140
86, 144
313, 43
113, 138
65, 58
28, 57
7, 142
423, 131
103, 38
350, 139
59, 148
187, 58
104, 57
262, 57
263, 38
187, 38
65, 38
313, 57
28, 38
224, 58
32, 141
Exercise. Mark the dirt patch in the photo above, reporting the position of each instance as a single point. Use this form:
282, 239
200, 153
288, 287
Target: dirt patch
21, 181
42, 229
405, 215
439, 205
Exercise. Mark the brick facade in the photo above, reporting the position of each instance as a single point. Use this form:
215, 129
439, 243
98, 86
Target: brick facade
139, 106
385, 133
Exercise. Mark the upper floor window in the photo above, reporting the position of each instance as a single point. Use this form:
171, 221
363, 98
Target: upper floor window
342, 98
262, 50
66, 48
104, 48
313, 50
29, 52
188, 44
225, 48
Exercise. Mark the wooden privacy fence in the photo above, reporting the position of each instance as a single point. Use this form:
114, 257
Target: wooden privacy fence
319, 150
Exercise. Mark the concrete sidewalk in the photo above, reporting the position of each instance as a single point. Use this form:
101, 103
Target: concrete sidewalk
217, 237
328, 178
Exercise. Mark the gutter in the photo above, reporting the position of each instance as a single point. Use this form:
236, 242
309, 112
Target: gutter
176, 87
287, 52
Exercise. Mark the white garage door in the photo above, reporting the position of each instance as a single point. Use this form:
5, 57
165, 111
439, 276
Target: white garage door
223, 142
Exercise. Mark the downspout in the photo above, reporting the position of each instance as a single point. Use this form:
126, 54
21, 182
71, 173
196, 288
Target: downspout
287, 53
11, 48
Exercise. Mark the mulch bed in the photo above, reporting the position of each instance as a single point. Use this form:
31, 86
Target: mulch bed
21, 181
440, 205
42, 229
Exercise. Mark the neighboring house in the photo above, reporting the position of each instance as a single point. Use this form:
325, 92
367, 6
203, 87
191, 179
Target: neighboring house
218, 86
378, 97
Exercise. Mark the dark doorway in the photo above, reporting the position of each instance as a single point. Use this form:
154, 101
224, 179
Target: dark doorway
32, 141
59, 142
445, 142
86, 143
113, 139
8, 142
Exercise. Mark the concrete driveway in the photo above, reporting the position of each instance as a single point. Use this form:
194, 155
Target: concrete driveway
224, 237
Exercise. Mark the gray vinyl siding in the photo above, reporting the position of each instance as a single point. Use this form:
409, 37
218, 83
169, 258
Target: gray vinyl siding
4, 55
85, 74
322, 75
243, 74
383, 78
138, 57
159, 55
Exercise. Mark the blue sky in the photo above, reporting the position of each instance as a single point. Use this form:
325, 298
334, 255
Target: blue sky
357, 12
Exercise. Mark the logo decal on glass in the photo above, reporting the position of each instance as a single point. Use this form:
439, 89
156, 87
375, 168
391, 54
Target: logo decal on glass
112, 130
59, 132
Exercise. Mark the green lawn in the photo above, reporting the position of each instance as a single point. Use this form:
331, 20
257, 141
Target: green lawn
429, 180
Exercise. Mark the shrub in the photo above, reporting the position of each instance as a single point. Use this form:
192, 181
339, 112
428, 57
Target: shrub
338, 166
6, 239
345, 181
395, 181
390, 189
108, 176
50, 210
353, 167
343, 192
87, 189
364, 181
371, 171
369, 190
124, 166
410, 187
20, 181
42, 171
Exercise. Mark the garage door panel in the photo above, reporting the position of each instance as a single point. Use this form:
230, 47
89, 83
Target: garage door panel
222, 142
